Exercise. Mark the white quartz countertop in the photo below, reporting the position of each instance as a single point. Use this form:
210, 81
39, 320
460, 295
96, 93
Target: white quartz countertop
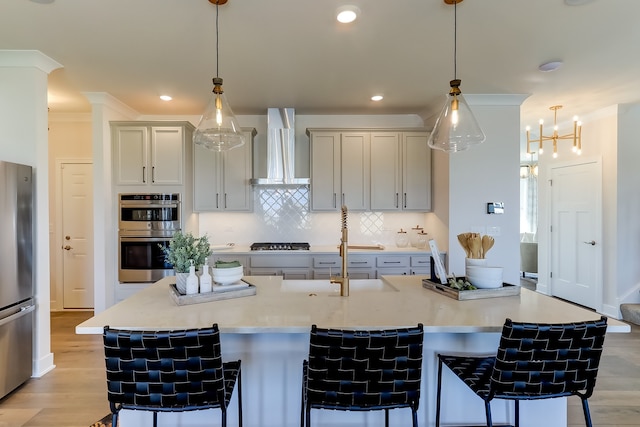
274, 310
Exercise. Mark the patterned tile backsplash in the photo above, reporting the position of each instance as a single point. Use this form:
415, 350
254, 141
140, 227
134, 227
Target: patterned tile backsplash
281, 214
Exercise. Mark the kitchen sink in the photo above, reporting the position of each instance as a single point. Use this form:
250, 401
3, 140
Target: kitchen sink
326, 288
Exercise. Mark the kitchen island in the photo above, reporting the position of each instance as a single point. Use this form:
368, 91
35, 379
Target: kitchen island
269, 332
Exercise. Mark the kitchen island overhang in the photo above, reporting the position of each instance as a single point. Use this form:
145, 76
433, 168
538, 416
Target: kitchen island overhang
269, 332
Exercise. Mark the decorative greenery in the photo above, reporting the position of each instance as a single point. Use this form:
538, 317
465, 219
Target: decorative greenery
183, 248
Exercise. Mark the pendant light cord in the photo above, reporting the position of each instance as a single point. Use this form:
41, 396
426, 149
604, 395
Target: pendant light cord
217, 44
455, 39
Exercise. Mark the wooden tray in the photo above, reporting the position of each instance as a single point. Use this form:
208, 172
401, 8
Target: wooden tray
505, 291
180, 299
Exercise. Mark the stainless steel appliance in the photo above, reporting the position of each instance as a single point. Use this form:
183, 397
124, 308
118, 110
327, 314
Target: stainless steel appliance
281, 150
16, 278
287, 246
149, 212
146, 222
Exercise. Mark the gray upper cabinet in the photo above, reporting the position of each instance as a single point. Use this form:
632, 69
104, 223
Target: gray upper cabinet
385, 170
149, 154
400, 171
340, 168
221, 180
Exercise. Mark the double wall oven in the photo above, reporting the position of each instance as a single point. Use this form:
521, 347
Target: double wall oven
146, 222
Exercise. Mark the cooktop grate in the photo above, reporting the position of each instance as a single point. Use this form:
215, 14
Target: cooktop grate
285, 246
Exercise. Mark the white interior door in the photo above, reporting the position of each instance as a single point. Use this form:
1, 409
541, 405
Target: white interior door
77, 235
576, 233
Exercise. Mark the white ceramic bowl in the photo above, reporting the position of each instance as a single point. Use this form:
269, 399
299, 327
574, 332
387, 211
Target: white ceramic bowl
226, 276
483, 277
475, 261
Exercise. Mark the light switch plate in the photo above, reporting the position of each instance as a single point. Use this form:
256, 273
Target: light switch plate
495, 207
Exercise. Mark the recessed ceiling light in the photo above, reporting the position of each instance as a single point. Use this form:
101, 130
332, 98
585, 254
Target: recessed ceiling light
166, 97
347, 14
550, 66
377, 98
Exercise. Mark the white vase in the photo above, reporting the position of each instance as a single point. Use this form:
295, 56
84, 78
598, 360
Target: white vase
181, 282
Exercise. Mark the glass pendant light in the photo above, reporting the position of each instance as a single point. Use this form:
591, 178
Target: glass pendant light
218, 129
456, 128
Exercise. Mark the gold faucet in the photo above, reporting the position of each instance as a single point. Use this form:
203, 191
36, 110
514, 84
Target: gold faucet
344, 246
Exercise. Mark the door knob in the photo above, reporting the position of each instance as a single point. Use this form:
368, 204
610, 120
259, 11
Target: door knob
67, 237
67, 248
592, 243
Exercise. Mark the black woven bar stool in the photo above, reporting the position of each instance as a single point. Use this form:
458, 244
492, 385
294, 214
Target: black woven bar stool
169, 371
534, 361
362, 371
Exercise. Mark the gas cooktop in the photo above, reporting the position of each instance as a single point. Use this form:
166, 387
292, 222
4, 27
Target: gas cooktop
296, 246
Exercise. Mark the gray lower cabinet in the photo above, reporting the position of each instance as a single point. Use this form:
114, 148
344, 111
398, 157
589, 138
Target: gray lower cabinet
359, 266
305, 266
288, 266
420, 264
395, 265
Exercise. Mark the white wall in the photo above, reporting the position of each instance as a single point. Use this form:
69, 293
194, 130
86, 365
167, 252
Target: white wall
488, 173
628, 208
105, 108
23, 139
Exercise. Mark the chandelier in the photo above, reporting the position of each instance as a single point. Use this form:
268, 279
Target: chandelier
218, 129
456, 128
575, 136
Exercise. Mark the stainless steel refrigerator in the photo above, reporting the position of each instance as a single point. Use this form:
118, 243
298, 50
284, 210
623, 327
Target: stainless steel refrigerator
16, 275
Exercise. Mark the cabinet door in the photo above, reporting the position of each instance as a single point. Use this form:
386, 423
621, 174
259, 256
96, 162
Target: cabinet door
237, 172
385, 171
325, 171
355, 166
130, 155
167, 155
416, 175
207, 179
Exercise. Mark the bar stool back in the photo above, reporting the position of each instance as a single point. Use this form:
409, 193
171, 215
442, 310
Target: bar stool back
169, 371
362, 371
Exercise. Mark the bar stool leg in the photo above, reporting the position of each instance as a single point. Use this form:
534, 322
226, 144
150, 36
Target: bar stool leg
439, 392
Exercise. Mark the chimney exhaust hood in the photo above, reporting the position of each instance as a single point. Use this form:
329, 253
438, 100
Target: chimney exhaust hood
281, 134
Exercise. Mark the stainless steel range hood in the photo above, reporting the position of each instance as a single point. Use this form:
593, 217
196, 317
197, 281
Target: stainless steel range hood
281, 134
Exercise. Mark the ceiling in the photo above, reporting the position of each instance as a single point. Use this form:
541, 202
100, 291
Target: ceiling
293, 53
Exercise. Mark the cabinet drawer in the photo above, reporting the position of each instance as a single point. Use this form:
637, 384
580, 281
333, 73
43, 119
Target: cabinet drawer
392, 261
356, 261
421, 261
327, 262
280, 261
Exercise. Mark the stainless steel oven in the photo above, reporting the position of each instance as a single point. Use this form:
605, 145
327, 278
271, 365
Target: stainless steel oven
149, 212
146, 222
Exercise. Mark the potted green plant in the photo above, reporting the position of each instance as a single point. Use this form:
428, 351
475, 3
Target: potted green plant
182, 250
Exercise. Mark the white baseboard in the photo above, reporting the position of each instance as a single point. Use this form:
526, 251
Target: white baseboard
42, 366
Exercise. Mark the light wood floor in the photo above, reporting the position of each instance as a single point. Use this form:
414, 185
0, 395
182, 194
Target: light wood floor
74, 393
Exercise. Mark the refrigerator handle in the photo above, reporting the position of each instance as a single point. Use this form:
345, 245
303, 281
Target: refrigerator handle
23, 311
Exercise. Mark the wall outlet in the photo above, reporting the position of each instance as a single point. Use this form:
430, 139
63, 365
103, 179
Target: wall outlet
493, 231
